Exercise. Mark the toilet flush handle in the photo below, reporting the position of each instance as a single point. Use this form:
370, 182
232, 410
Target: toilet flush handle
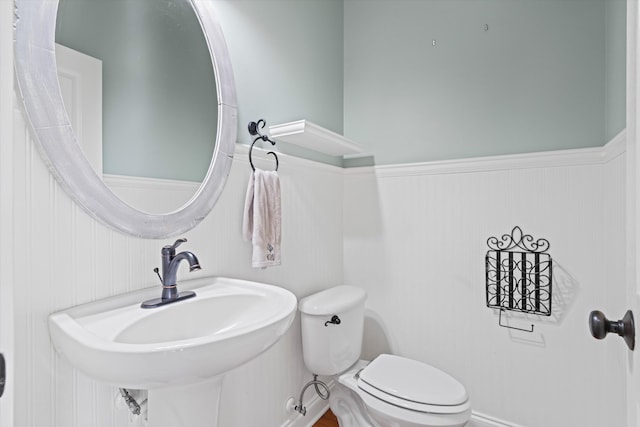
335, 320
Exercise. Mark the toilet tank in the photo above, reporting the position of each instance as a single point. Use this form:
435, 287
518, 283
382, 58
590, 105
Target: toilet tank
330, 348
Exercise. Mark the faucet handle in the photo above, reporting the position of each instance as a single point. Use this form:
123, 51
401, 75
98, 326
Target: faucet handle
170, 250
175, 244
178, 243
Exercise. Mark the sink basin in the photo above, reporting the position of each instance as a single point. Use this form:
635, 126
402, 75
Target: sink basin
228, 323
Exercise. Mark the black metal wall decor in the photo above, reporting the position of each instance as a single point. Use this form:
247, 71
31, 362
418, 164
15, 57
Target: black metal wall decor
519, 274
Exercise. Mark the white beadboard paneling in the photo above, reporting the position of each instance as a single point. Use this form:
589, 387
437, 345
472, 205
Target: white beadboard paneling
611, 296
415, 239
63, 258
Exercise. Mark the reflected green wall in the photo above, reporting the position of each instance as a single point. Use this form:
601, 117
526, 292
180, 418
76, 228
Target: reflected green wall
159, 96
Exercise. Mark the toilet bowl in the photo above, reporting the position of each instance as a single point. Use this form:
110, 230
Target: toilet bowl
389, 391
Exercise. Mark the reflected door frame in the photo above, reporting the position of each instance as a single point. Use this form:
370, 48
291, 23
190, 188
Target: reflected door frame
80, 78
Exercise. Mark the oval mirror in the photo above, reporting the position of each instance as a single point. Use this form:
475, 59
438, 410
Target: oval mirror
37, 79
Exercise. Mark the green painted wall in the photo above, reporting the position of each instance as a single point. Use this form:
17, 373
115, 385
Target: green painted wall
545, 76
615, 67
287, 59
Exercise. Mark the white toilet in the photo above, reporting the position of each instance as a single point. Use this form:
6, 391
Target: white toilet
390, 391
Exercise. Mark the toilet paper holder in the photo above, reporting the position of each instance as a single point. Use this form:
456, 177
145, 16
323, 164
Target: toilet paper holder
518, 275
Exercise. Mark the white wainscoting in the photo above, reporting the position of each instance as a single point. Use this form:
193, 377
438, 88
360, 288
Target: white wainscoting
415, 239
62, 257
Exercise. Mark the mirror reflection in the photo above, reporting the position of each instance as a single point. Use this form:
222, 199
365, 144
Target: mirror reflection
158, 114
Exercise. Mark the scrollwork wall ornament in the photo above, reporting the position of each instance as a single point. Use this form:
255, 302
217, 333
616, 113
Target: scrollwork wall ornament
517, 239
519, 274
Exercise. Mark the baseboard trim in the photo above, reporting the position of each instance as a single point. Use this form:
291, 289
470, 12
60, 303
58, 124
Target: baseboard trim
482, 420
316, 407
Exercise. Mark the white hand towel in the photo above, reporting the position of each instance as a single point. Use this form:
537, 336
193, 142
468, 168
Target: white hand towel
247, 219
262, 218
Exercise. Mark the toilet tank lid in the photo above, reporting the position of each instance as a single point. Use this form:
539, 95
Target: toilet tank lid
332, 301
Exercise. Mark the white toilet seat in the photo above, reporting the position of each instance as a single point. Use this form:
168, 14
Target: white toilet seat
413, 385
407, 404
390, 406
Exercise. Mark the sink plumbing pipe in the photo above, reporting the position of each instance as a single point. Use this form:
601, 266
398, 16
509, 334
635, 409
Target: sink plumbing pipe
317, 384
134, 407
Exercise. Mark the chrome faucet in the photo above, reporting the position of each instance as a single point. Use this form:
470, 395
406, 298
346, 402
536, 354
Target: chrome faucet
170, 264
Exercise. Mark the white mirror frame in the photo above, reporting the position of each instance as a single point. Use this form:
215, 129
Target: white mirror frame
38, 86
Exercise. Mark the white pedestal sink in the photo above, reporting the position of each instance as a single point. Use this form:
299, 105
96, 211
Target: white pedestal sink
179, 352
